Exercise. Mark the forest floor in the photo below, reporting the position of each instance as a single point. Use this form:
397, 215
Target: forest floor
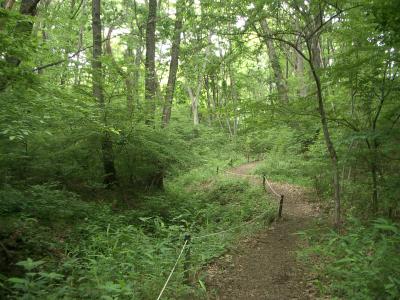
264, 265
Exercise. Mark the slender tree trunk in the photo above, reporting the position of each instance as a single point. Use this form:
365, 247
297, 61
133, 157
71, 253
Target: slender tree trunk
136, 74
316, 64
127, 76
195, 105
374, 186
150, 64
173, 67
274, 60
215, 100
210, 107
129, 81
77, 79
302, 91
235, 99
195, 96
373, 147
299, 69
8, 4
110, 176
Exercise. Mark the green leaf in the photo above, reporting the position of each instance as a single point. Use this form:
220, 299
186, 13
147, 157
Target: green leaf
17, 280
29, 264
202, 285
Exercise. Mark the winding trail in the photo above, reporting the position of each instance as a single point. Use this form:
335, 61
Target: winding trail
264, 266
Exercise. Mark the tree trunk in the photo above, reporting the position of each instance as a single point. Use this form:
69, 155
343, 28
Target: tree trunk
173, 67
215, 101
127, 76
129, 81
274, 60
315, 63
195, 106
235, 99
150, 65
210, 107
302, 91
136, 74
23, 28
110, 176
77, 78
374, 186
8, 4
195, 97
375, 145
299, 69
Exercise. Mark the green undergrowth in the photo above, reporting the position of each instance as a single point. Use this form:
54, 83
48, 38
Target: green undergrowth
60, 247
285, 157
361, 263
289, 168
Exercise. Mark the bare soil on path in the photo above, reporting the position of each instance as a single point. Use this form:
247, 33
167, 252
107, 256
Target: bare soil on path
264, 266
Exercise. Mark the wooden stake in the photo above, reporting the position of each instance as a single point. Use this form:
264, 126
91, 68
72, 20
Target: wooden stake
280, 207
186, 264
264, 179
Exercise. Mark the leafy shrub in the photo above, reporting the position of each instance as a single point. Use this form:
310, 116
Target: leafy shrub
109, 254
44, 202
363, 263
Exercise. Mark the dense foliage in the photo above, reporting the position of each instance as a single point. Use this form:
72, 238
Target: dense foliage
116, 114
360, 264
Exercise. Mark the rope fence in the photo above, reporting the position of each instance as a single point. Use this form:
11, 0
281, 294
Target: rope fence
173, 269
230, 229
188, 237
271, 188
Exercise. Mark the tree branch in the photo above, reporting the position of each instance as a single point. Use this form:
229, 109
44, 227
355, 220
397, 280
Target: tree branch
60, 61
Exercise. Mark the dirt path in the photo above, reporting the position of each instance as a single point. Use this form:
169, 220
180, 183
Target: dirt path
264, 266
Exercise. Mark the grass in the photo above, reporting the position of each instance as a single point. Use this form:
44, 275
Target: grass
67, 248
289, 168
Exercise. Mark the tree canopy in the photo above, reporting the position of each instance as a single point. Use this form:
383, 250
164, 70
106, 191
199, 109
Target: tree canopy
113, 111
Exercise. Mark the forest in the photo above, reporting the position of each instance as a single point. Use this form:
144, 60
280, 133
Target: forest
145, 145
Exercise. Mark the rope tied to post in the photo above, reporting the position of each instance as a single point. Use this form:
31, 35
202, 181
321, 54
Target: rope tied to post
271, 188
187, 240
188, 237
265, 180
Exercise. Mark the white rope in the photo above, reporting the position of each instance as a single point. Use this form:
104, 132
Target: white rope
237, 174
172, 271
198, 238
272, 189
215, 233
266, 180
232, 228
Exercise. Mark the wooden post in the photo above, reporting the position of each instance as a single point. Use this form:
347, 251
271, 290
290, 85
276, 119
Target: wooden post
186, 263
280, 207
265, 189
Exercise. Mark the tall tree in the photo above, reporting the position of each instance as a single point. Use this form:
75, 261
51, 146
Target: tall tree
316, 64
150, 63
173, 67
274, 61
110, 176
